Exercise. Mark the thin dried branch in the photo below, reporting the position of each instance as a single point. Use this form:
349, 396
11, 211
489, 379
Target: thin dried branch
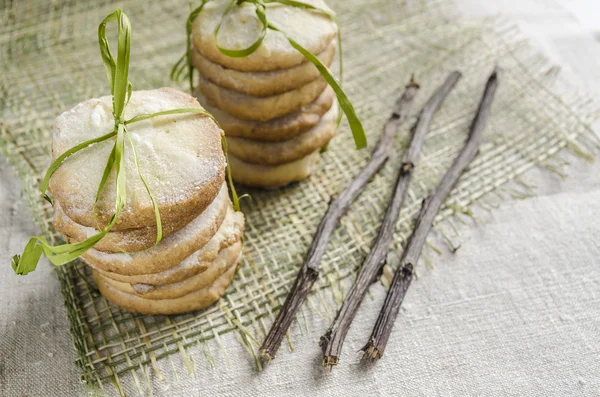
431, 205
338, 206
331, 342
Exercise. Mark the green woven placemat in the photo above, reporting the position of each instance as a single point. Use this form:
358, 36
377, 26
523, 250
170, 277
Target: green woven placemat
49, 61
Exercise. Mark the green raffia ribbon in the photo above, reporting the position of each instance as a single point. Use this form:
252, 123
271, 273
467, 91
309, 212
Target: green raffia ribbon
117, 71
184, 68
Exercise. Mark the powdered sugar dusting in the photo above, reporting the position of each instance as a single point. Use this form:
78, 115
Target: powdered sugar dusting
167, 250
221, 262
178, 154
241, 27
142, 288
98, 114
229, 232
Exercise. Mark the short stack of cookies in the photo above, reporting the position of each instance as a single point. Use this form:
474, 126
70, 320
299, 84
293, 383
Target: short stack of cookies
276, 109
182, 161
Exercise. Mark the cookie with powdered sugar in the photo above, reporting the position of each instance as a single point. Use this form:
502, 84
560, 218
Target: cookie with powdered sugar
180, 157
279, 129
228, 234
260, 108
262, 83
170, 252
276, 153
240, 28
273, 176
128, 240
195, 300
215, 269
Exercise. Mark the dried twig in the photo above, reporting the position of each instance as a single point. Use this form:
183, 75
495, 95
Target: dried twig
331, 342
431, 205
338, 206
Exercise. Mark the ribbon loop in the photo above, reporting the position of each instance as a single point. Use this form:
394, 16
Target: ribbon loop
117, 70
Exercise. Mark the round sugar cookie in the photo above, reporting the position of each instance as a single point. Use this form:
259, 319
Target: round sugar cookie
171, 291
266, 176
240, 28
275, 153
261, 108
281, 128
171, 250
180, 157
129, 240
175, 274
193, 301
262, 83
228, 234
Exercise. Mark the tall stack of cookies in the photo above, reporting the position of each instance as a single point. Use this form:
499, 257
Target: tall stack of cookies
276, 109
183, 164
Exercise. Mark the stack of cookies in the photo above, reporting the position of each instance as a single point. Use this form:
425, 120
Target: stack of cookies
182, 161
276, 109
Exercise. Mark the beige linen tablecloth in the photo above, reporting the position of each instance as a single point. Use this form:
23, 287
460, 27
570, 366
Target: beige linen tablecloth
516, 311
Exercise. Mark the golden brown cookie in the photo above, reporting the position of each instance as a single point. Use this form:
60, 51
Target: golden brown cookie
175, 290
276, 153
129, 240
261, 108
193, 301
262, 83
172, 249
241, 27
183, 271
180, 157
228, 234
279, 129
266, 176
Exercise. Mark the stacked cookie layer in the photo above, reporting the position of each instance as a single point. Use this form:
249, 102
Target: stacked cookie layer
181, 160
274, 106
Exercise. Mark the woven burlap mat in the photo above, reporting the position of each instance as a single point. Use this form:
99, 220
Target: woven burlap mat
50, 61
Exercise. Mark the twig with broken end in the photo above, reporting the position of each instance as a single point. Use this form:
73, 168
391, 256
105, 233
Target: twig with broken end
310, 269
396, 293
381, 331
331, 342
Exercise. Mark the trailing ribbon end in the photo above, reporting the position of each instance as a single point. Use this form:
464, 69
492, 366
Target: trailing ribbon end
178, 72
27, 262
234, 196
16, 265
358, 132
47, 198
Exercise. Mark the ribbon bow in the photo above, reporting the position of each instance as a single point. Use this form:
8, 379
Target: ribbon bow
179, 71
117, 71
